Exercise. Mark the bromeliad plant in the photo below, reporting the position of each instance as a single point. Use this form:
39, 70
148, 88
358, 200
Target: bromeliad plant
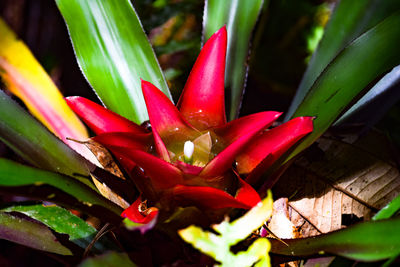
188, 155
185, 156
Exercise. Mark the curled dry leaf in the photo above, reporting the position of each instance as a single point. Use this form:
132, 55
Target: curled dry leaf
104, 157
338, 183
108, 163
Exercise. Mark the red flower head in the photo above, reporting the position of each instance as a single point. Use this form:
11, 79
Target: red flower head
189, 154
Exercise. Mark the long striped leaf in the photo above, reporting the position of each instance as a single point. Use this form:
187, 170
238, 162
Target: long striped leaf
25, 78
33, 142
113, 53
369, 56
29, 233
13, 174
374, 104
349, 20
368, 241
240, 18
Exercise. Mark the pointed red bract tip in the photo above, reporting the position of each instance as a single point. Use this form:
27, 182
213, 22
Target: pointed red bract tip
100, 119
164, 116
272, 143
237, 139
245, 125
202, 102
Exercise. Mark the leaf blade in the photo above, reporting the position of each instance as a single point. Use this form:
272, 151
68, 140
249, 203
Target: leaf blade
29, 233
389, 210
113, 53
61, 221
376, 102
240, 18
357, 65
13, 174
29, 81
218, 246
368, 241
41, 149
349, 20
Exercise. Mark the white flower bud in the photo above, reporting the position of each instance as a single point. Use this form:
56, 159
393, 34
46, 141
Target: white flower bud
188, 150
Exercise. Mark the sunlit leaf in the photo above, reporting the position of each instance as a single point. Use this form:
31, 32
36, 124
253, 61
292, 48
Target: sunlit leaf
113, 53
389, 210
30, 233
349, 20
229, 234
240, 18
368, 241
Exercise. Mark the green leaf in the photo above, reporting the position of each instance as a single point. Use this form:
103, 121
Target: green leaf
113, 53
389, 210
373, 105
348, 74
13, 174
61, 221
30, 233
368, 241
349, 20
240, 18
229, 234
110, 259
33, 142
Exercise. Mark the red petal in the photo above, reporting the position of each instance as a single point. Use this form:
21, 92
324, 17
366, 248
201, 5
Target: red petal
164, 117
273, 142
188, 168
202, 102
160, 147
245, 125
127, 140
163, 175
247, 194
100, 119
223, 161
208, 197
134, 215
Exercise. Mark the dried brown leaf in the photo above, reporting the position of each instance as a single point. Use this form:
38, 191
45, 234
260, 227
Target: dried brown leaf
108, 163
104, 157
338, 183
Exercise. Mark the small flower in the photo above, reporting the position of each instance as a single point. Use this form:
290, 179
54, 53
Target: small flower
189, 153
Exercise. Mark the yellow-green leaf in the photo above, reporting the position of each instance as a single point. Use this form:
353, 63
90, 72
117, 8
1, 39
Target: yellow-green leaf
25, 77
219, 246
